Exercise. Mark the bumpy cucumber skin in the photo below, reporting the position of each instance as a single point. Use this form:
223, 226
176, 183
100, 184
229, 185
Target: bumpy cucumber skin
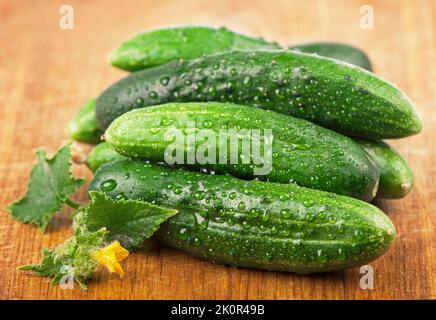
83, 127
101, 154
396, 177
156, 47
332, 94
302, 152
339, 51
252, 223
160, 46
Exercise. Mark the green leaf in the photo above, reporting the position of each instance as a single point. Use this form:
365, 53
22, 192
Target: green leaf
50, 184
70, 259
130, 222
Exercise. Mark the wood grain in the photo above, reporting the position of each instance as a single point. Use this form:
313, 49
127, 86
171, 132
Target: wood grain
47, 72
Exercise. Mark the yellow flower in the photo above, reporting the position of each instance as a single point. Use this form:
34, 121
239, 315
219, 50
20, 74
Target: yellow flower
110, 256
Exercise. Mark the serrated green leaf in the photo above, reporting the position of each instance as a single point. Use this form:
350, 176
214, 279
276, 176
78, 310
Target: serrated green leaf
72, 258
50, 184
130, 222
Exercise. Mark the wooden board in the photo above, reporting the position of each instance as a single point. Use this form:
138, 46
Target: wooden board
46, 73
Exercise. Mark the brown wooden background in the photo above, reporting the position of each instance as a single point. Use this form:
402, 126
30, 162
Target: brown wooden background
46, 73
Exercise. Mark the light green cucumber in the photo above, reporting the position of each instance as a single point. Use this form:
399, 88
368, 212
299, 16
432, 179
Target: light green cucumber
83, 127
101, 154
160, 46
156, 47
396, 177
339, 51
300, 151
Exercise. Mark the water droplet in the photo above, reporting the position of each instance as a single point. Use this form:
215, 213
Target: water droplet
155, 130
197, 241
108, 185
310, 217
183, 234
332, 219
308, 203
153, 95
204, 224
248, 82
140, 102
120, 196
199, 195
208, 124
321, 216
212, 91
286, 213
321, 257
166, 122
165, 80
358, 234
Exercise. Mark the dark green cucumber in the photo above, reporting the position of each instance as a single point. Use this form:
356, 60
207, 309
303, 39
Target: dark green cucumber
332, 94
396, 177
253, 223
301, 151
160, 46
83, 127
101, 154
156, 47
339, 51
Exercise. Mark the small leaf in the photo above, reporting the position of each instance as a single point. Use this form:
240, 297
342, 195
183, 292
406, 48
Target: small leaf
50, 184
130, 222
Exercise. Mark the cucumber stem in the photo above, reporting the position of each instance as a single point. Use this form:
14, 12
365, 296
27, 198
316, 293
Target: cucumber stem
72, 204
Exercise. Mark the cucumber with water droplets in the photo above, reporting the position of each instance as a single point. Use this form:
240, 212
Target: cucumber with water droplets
160, 46
156, 47
83, 127
300, 151
338, 51
396, 177
101, 154
325, 91
252, 223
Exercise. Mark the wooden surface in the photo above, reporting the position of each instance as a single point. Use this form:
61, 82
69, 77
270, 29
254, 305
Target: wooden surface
47, 72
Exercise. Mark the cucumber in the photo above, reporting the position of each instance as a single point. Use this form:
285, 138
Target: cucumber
252, 223
332, 94
156, 47
339, 51
83, 127
301, 151
160, 46
101, 154
396, 177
